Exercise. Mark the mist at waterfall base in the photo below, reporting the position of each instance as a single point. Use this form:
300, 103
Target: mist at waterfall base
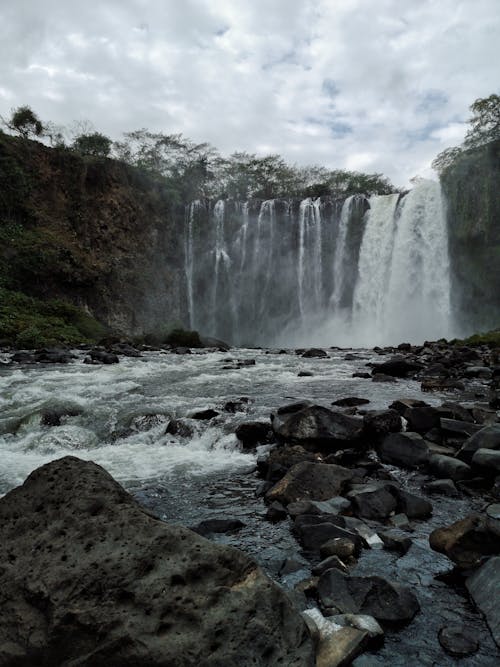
358, 272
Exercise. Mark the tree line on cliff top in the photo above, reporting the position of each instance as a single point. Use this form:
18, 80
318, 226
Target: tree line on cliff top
198, 170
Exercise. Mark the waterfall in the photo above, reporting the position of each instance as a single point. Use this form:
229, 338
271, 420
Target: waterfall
321, 272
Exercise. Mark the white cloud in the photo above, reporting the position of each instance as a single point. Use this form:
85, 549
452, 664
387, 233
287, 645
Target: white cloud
378, 86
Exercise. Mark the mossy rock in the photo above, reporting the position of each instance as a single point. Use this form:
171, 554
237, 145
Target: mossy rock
183, 338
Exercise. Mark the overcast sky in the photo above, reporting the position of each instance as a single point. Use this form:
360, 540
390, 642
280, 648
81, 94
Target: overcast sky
360, 84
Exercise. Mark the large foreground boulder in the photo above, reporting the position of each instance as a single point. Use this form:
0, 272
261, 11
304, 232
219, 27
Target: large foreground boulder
484, 587
466, 542
87, 577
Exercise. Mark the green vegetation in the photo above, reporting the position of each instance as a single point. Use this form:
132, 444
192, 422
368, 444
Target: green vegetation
489, 338
25, 122
27, 322
95, 144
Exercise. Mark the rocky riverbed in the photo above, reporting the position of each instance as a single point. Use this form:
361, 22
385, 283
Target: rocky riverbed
341, 501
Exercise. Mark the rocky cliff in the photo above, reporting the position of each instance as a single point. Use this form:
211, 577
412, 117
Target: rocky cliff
98, 234
472, 189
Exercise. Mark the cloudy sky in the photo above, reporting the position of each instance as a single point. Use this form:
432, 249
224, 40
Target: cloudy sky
374, 86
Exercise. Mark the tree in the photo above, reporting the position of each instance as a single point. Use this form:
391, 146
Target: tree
25, 122
485, 122
95, 144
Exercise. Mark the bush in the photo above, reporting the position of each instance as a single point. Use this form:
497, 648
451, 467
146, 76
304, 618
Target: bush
183, 338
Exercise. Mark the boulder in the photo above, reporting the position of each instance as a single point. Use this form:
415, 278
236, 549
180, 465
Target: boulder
457, 428
313, 531
313, 481
343, 547
395, 541
382, 377
101, 357
89, 577
449, 467
382, 422
372, 501
405, 449
396, 367
403, 404
487, 460
287, 456
443, 487
415, 507
484, 588
317, 426
327, 564
466, 542
388, 602
422, 419
340, 649
251, 434
315, 352
487, 438
204, 415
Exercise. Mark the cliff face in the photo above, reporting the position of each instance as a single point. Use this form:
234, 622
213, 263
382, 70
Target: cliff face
99, 234
472, 189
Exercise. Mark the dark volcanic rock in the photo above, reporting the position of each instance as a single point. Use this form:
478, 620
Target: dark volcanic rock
466, 541
405, 449
251, 434
422, 419
372, 501
449, 467
388, 602
87, 577
203, 415
316, 425
211, 526
315, 352
382, 422
396, 367
350, 401
487, 438
310, 481
484, 588
415, 507
487, 460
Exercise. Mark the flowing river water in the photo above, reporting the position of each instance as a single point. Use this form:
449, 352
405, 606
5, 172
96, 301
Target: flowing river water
120, 413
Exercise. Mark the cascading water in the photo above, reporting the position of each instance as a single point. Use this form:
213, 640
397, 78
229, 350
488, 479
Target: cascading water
321, 272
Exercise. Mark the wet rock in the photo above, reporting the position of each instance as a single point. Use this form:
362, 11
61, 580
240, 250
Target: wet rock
313, 481
291, 408
487, 460
181, 350
466, 542
453, 410
458, 640
363, 376
441, 384
382, 377
372, 501
101, 357
315, 352
251, 434
141, 423
302, 507
53, 416
482, 372
449, 467
211, 526
343, 547
100, 559
405, 449
125, 349
180, 427
493, 518
400, 521
415, 507
484, 588
215, 343
403, 404
487, 438
281, 459
389, 603
457, 428
394, 541
350, 401
443, 487
317, 426
305, 374
205, 415
397, 367
241, 405
335, 505
276, 512
327, 564
315, 530
422, 419
382, 422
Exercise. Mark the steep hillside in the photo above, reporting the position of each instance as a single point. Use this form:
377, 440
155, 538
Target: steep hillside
95, 233
472, 189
